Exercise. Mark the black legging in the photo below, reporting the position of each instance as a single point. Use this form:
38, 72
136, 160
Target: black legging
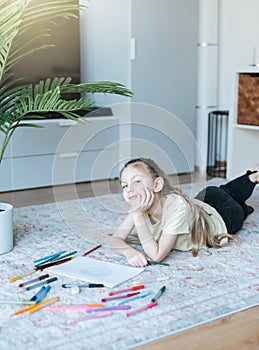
229, 200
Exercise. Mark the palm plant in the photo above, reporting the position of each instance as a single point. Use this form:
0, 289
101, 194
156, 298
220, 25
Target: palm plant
18, 101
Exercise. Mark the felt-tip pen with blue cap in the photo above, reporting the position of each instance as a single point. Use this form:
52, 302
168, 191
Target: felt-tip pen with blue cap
140, 295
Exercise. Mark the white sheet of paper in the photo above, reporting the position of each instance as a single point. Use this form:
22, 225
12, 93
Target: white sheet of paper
96, 271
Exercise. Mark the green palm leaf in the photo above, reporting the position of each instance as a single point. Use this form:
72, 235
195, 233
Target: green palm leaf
43, 101
18, 36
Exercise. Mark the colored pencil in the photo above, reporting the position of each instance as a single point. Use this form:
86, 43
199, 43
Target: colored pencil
91, 250
42, 267
13, 279
150, 262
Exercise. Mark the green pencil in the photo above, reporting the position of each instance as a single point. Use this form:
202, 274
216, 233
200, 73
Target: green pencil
157, 263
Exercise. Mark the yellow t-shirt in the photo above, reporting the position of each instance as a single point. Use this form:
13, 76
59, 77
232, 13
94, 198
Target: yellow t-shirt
176, 220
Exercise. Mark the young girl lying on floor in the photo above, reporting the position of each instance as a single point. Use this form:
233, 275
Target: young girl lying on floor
164, 218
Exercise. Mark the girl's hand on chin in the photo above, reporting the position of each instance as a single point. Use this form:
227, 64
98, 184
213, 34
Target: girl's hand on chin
143, 202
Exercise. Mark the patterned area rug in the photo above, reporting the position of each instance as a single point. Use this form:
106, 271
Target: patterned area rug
199, 290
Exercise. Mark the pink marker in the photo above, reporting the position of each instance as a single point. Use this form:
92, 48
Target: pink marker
90, 317
148, 306
74, 307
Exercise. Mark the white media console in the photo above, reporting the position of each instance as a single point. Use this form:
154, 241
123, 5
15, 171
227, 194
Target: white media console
61, 152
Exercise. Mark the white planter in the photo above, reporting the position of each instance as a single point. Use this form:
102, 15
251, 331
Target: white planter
6, 228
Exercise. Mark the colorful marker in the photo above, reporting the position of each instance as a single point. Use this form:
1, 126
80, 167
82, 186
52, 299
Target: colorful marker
90, 317
42, 305
119, 297
158, 295
126, 290
141, 295
34, 297
73, 307
13, 279
109, 308
38, 306
148, 306
34, 280
50, 280
42, 293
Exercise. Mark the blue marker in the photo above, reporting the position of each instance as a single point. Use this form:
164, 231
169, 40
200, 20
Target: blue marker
35, 296
140, 295
39, 296
42, 295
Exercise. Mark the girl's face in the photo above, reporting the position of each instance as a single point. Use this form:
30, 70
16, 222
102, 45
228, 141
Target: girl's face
134, 180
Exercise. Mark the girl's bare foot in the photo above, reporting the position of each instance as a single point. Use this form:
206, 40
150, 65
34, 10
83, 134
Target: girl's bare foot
254, 177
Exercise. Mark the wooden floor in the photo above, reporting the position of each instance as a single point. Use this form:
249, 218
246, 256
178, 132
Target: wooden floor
36, 196
236, 332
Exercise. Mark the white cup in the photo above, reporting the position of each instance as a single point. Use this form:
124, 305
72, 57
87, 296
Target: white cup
6, 228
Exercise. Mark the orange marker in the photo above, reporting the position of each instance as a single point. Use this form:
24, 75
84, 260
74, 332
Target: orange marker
45, 303
37, 306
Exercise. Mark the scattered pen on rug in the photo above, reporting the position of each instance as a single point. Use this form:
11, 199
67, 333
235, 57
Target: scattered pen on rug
92, 250
150, 262
50, 280
34, 280
148, 306
158, 294
13, 279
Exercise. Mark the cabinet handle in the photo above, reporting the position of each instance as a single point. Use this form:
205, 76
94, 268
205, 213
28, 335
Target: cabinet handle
132, 49
68, 155
67, 123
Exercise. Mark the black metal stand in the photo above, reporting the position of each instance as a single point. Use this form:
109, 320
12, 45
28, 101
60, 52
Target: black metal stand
217, 143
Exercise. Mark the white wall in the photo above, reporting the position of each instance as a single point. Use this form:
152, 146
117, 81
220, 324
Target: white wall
238, 35
105, 55
105, 44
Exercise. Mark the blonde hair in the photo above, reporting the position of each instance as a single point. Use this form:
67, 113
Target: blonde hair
201, 234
